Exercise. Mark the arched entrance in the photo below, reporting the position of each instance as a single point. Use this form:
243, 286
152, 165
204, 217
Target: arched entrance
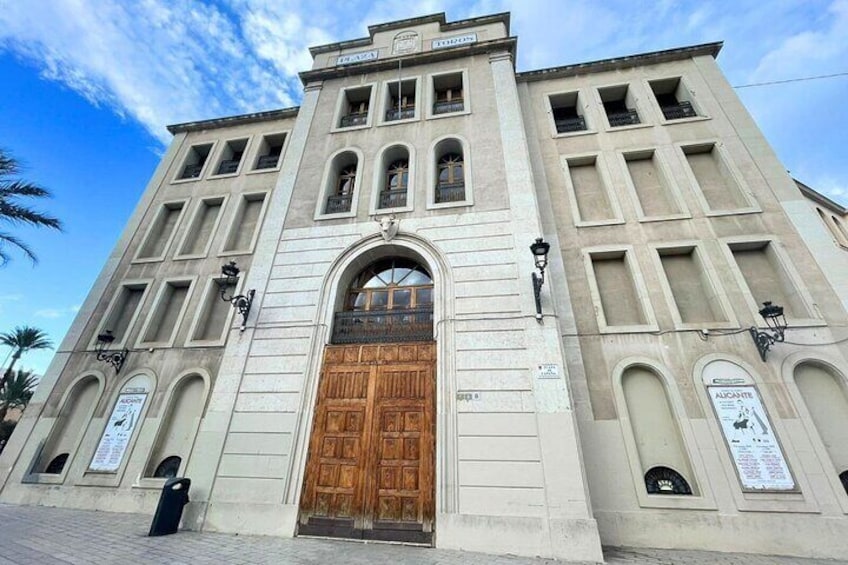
371, 464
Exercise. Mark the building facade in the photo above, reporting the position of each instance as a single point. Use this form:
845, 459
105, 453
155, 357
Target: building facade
377, 362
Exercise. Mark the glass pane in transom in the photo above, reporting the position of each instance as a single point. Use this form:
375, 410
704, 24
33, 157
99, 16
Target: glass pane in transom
401, 298
379, 300
423, 296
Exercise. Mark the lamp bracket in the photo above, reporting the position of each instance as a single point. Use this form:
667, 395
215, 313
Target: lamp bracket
538, 281
764, 340
114, 358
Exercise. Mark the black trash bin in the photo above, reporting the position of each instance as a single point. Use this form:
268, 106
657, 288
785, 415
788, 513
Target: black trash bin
174, 496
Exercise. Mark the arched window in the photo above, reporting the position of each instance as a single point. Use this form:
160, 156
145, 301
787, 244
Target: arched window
69, 427
450, 183
340, 183
825, 396
393, 194
656, 432
168, 468
179, 425
662, 480
391, 300
57, 464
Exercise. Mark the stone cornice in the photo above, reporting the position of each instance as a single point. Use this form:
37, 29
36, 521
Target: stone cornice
439, 18
616, 63
235, 120
411, 60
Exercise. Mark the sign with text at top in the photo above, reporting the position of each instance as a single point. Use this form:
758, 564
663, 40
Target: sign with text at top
455, 41
357, 57
750, 438
119, 430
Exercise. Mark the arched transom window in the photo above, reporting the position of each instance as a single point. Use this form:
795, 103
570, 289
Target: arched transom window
391, 300
392, 284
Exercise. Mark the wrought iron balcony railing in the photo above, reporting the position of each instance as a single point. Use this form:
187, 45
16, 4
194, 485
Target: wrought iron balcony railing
267, 161
679, 111
192, 171
356, 119
450, 192
447, 106
383, 326
392, 198
404, 113
628, 118
338, 204
228, 166
570, 124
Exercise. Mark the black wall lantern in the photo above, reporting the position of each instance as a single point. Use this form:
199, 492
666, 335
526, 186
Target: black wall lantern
540, 250
114, 358
773, 315
241, 302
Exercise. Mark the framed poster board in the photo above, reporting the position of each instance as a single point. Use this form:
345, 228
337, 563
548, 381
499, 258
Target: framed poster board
118, 433
750, 438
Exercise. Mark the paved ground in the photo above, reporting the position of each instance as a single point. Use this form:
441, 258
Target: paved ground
53, 536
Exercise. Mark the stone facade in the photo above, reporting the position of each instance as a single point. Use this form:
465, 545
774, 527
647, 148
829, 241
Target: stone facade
670, 220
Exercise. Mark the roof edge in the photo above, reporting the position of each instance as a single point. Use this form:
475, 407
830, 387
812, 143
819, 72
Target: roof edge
651, 57
817, 196
234, 120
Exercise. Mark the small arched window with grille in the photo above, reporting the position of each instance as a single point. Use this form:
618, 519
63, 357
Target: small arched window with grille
393, 194
662, 480
391, 300
450, 183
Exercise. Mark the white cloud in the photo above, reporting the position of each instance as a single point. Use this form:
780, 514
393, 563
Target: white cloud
49, 313
168, 61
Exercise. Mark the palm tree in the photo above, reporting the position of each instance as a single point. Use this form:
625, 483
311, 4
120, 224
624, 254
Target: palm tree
22, 339
14, 212
18, 392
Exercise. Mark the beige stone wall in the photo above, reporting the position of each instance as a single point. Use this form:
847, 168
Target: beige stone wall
671, 347
165, 363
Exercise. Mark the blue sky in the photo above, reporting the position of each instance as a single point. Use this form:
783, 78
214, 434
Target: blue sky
89, 86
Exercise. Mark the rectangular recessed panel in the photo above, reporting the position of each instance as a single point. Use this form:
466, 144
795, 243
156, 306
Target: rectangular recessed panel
123, 311
715, 179
592, 201
245, 223
164, 320
693, 294
161, 230
617, 292
768, 280
214, 314
200, 231
651, 187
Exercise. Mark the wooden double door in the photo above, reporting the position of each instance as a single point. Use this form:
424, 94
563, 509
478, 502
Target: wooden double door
371, 463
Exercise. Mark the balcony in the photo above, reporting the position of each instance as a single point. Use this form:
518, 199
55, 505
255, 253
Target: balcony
625, 118
267, 161
192, 171
450, 192
405, 113
355, 119
679, 111
392, 198
386, 326
565, 125
338, 204
447, 106
228, 166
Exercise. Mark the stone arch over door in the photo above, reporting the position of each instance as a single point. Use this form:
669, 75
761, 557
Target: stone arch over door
332, 295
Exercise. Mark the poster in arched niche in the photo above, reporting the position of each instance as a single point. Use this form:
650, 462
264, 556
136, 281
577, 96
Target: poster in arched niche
747, 430
121, 425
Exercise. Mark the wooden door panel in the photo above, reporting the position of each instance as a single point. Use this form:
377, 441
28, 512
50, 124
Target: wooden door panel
371, 462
